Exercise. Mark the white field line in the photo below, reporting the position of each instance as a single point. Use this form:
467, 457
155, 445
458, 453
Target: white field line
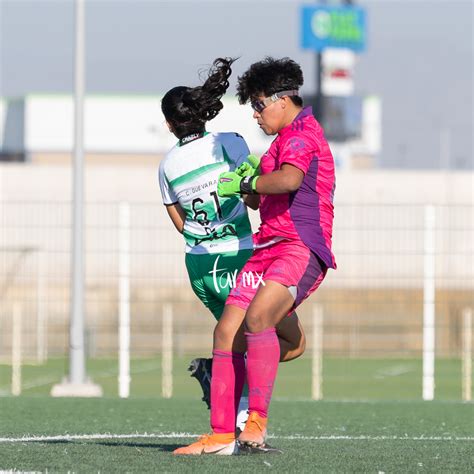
111, 436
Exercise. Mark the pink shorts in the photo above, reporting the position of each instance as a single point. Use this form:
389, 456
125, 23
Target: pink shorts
288, 262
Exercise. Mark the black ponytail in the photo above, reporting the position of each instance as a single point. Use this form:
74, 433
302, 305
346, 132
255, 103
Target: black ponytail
187, 109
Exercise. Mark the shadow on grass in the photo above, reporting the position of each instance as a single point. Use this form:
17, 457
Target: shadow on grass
114, 444
121, 444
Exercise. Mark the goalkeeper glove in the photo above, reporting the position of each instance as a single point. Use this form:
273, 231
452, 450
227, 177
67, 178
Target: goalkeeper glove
251, 167
231, 184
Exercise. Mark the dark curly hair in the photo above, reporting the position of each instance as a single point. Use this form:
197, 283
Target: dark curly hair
187, 109
268, 77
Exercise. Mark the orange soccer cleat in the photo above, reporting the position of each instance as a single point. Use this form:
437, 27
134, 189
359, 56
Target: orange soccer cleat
215, 443
255, 431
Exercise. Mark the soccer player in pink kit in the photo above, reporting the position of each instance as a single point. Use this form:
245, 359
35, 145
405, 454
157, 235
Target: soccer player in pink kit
292, 249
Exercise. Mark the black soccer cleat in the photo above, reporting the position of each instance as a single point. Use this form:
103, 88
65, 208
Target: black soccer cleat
245, 449
201, 369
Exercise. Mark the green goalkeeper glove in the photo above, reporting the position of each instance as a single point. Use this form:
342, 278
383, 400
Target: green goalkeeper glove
251, 167
231, 184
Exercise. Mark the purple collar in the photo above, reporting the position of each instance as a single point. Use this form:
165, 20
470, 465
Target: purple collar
308, 110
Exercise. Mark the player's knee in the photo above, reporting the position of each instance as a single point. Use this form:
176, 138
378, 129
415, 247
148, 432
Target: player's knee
219, 336
223, 337
256, 321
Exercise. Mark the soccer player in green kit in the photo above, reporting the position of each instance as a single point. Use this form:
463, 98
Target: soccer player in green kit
216, 230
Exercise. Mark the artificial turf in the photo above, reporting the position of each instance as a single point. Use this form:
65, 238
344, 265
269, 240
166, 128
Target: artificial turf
138, 435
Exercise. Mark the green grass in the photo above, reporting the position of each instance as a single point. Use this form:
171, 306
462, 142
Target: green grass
344, 378
392, 431
431, 437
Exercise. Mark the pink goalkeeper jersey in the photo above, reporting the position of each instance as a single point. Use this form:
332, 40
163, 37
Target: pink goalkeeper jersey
306, 214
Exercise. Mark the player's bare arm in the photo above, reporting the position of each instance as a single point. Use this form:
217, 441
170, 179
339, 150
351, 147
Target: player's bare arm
285, 180
177, 216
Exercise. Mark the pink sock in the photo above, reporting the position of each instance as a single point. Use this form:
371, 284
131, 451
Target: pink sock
263, 355
228, 375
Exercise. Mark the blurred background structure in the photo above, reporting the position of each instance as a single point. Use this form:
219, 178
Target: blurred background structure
398, 112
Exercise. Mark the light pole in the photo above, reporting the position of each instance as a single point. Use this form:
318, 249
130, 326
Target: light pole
77, 384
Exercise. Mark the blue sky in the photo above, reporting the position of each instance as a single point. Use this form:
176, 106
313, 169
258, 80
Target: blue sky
419, 58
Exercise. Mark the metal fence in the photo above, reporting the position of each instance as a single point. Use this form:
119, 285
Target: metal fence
373, 304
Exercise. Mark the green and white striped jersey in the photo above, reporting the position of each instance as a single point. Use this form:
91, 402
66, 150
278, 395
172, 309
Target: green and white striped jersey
188, 175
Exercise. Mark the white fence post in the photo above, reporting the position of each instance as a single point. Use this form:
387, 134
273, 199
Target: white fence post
429, 305
16, 349
124, 300
467, 354
317, 365
167, 352
41, 314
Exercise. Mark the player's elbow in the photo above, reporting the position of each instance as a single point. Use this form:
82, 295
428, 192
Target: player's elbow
291, 183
